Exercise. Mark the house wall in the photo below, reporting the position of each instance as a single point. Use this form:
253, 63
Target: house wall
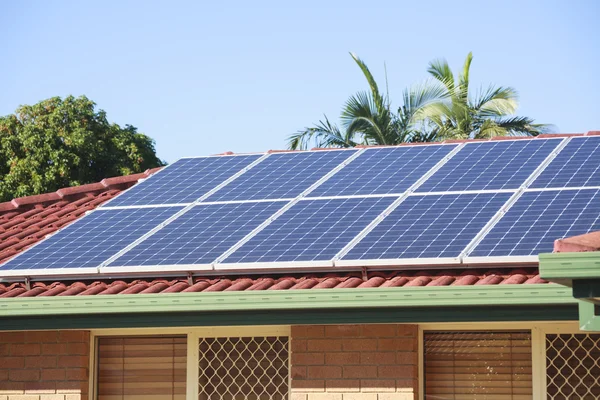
354, 362
44, 365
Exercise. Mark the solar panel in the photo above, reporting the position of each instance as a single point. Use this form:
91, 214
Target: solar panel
503, 164
91, 240
383, 170
577, 165
200, 235
184, 181
538, 218
311, 230
282, 175
432, 226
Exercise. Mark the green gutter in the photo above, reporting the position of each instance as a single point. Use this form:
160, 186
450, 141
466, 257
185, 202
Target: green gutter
563, 268
339, 299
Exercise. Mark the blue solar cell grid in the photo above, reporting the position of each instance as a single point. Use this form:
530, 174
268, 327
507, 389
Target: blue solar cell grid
577, 165
200, 235
490, 165
91, 240
429, 227
282, 175
184, 181
311, 230
383, 170
538, 218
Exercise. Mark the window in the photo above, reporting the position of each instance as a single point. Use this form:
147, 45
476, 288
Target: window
573, 366
250, 363
249, 368
132, 368
477, 365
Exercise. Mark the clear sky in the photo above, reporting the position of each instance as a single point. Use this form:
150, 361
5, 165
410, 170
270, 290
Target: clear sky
203, 77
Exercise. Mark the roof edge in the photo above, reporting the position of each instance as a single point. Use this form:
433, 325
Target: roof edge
507, 295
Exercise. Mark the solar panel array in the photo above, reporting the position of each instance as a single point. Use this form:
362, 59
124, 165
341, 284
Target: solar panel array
436, 204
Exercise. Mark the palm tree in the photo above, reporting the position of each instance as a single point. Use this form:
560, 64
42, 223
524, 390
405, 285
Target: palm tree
489, 113
367, 118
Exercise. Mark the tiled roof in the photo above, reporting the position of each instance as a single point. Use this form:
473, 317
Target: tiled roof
312, 281
27, 220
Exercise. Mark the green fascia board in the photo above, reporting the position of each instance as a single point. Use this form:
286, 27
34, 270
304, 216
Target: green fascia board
386, 315
313, 299
563, 268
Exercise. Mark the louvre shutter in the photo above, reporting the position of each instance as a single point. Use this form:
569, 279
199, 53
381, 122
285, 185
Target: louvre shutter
478, 365
141, 368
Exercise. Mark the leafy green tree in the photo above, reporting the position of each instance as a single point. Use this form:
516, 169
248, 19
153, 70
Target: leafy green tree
368, 118
66, 142
462, 115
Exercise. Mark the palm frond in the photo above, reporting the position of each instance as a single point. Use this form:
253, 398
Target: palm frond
441, 71
379, 100
323, 134
496, 101
361, 116
523, 126
463, 78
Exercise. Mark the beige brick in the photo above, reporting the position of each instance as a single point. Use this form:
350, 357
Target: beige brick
3, 397
23, 397
324, 396
395, 396
52, 397
360, 396
295, 396
73, 397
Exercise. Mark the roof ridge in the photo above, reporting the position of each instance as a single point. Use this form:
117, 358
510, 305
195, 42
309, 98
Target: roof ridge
116, 182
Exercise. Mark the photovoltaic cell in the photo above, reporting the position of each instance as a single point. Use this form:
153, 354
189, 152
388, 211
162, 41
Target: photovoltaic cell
282, 175
429, 227
538, 218
184, 181
577, 165
383, 170
311, 230
200, 235
501, 164
91, 240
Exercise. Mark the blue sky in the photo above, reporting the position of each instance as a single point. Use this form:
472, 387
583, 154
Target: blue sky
207, 77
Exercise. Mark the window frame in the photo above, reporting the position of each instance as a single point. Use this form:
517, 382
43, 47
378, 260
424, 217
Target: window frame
539, 330
193, 336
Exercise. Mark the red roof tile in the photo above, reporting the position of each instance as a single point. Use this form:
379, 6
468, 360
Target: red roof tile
247, 283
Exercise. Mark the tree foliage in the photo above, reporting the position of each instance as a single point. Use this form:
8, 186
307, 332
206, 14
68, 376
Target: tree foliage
462, 114
368, 118
437, 109
66, 142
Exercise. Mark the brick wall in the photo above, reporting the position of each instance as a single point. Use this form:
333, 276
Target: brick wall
354, 362
48, 365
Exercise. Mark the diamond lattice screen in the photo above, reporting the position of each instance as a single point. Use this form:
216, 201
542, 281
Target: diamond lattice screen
573, 366
243, 368
478, 365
